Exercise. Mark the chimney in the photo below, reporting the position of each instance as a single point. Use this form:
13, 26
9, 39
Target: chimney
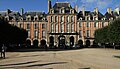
8, 11
83, 10
96, 10
109, 10
76, 8
49, 5
22, 11
117, 10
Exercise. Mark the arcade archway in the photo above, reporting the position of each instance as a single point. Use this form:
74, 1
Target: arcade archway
35, 43
61, 41
71, 41
51, 41
87, 43
28, 43
43, 43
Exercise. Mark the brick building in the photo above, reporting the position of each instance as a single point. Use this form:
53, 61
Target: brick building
62, 25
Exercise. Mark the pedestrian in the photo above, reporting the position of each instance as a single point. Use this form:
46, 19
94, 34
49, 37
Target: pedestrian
3, 52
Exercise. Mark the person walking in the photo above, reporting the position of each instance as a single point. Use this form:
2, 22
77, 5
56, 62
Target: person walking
3, 52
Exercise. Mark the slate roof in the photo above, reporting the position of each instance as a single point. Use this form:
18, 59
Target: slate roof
91, 14
65, 5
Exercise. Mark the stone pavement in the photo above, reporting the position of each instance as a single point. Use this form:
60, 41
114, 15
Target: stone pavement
71, 59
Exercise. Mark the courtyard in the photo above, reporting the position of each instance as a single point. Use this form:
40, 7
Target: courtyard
88, 58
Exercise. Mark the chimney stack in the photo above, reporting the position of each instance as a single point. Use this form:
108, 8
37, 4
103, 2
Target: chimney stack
96, 10
49, 5
109, 10
22, 11
117, 10
76, 8
83, 10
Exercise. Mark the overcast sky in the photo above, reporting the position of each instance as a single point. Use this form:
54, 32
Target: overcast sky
41, 5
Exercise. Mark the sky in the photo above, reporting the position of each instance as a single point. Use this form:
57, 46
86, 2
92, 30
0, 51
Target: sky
41, 5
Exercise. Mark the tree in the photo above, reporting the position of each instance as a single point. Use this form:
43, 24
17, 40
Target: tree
114, 31
10, 34
109, 34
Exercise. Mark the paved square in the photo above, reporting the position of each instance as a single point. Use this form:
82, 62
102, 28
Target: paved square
70, 59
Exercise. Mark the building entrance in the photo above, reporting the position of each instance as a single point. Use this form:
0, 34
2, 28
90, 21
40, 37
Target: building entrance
61, 41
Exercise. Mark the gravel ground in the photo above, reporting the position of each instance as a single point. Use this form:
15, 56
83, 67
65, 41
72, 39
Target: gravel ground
89, 58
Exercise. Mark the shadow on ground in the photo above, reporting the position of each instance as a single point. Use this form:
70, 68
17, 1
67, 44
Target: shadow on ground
38, 49
34, 65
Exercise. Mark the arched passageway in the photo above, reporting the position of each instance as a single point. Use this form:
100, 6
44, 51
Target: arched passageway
43, 44
61, 41
71, 41
51, 41
80, 43
28, 43
35, 43
87, 43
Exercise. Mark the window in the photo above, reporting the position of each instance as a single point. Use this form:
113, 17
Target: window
43, 26
20, 25
95, 24
36, 18
72, 19
52, 28
103, 24
88, 33
28, 33
88, 24
51, 19
62, 18
67, 18
36, 26
80, 33
62, 28
35, 33
87, 18
43, 34
67, 28
95, 18
56, 19
72, 29
80, 24
56, 28
28, 26
62, 11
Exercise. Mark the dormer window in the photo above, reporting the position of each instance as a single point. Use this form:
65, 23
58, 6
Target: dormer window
80, 19
111, 18
95, 18
72, 11
87, 18
43, 19
21, 19
28, 17
35, 19
52, 11
7, 18
103, 18
62, 10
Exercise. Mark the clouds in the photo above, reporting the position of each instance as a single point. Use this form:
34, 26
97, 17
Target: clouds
102, 5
